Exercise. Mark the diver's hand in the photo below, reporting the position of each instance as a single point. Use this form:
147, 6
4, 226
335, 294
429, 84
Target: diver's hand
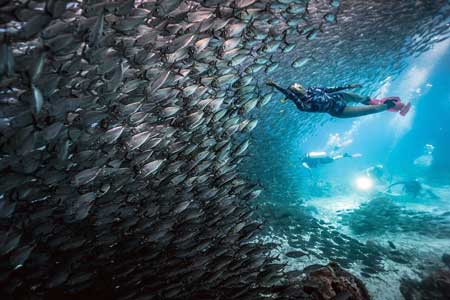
354, 86
270, 83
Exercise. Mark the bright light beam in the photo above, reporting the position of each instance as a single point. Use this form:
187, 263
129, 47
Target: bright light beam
364, 183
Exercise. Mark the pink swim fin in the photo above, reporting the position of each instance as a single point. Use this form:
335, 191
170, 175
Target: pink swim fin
405, 109
398, 103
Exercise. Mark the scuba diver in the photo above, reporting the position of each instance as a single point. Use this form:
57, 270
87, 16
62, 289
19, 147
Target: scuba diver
335, 102
426, 159
314, 159
375, 172
413, 188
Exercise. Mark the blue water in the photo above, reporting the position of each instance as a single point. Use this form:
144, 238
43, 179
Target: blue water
418, 227
397, 141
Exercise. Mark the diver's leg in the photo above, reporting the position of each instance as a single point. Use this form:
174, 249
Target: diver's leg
358, 111
352, 97
338, 157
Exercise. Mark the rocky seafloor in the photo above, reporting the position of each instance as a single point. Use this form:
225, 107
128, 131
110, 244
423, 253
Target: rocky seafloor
123, 123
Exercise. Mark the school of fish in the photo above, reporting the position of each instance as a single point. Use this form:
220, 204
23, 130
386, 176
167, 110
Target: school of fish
122, 125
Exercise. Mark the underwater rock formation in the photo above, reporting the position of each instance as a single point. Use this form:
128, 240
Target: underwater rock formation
122, 126
332, 282
436, 286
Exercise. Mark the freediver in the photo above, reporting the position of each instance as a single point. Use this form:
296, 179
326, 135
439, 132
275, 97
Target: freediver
335, 102
314, 159
413, 188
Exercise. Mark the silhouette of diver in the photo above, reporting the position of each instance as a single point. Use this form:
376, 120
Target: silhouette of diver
314, 159
414, 188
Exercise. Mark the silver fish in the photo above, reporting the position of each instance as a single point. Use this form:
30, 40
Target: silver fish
199, 16
265, 99
96, 32
194, 118
38, 99
34, 26
111, 135
169, 111
130, 108
251, 125
249, 105
300, 62
84, 205
138, 140
161, 79
168, 6
128, 23
53, 130
230, 44
116, 79
36, 69
86, 176
181, 42
151, 167
242, 148
201, 44
289, 48
243, 3
6, 60
234, 30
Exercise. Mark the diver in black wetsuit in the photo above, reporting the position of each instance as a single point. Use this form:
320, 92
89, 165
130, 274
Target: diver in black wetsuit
334, 101
314, 159
414, 188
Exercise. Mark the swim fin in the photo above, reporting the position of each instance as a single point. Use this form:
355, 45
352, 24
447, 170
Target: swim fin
404, 111
398, 103
351, 155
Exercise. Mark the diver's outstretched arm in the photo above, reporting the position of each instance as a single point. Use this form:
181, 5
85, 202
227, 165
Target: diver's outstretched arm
289, 94
359, 111
394, 184
286, 92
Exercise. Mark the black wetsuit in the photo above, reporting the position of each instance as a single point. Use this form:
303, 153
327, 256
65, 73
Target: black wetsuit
319, 99
409, 187
314, 162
